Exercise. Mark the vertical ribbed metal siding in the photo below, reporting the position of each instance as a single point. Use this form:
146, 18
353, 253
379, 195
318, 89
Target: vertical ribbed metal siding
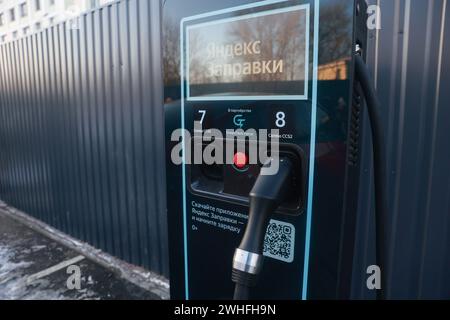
410, 59
82, 130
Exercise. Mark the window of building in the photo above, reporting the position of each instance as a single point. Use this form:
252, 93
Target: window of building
1, 19
15, 34
52, 2
12, 14
37, 4
3, 38
23, 9
37, 26
51, 20
26, 31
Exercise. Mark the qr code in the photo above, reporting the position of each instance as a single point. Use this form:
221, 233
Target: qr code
280, 241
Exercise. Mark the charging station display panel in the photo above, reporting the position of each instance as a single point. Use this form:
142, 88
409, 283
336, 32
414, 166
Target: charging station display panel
265, 70
257, 56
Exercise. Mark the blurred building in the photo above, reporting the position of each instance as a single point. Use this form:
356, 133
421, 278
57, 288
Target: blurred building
336, 70
19, 18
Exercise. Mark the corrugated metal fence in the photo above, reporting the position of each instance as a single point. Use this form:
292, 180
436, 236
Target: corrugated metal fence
81, 137
82, 130
410, 59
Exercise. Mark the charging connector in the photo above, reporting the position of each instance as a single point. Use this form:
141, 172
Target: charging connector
268, 193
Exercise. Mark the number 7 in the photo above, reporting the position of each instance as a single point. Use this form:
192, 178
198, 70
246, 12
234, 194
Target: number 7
203, 113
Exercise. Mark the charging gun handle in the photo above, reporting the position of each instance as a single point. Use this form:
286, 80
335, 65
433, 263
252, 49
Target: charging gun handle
266, 196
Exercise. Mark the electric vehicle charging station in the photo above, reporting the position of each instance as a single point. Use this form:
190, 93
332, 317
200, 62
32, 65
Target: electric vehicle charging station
284, 65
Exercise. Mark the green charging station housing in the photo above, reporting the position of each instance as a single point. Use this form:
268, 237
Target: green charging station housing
264, 65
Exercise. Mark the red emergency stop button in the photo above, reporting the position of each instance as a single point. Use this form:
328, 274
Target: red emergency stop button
240, 160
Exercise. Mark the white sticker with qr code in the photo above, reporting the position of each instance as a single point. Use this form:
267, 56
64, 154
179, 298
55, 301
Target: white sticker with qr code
279, 242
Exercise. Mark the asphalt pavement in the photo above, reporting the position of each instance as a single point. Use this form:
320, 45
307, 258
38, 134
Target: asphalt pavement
34, 267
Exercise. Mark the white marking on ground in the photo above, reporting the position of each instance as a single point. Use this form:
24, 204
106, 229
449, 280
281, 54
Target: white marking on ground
13, 283
38, 248
145, 279
55, 268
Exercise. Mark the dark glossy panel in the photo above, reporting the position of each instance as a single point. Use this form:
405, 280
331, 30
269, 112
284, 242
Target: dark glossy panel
209, 250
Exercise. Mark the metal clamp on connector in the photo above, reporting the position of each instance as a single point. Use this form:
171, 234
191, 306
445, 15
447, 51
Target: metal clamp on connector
247, 262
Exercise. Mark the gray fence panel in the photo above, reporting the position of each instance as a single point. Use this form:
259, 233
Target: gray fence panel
82, 130
410, 60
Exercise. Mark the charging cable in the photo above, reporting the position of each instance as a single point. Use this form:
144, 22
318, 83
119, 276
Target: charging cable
266, 196
379, 155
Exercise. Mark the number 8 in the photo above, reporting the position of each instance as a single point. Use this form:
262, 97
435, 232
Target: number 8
281, 120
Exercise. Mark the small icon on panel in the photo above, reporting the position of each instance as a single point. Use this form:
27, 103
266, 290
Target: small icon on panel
239, 121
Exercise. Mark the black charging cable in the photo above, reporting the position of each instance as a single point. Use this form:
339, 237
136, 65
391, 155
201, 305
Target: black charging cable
380, 171
266, 196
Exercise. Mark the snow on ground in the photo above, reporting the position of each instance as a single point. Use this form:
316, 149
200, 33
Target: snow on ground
24, 252
13, 280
